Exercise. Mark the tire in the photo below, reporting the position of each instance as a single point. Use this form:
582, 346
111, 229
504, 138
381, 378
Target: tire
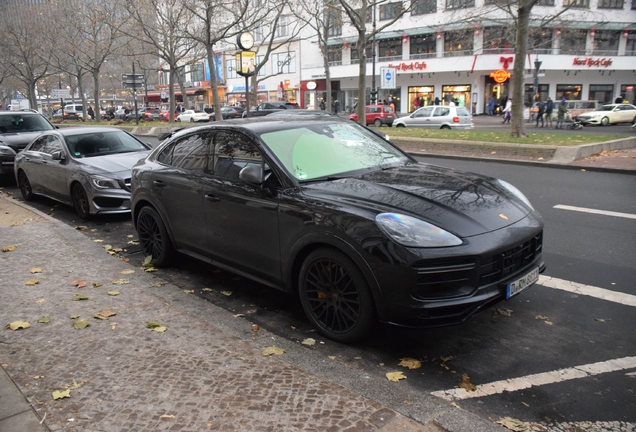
335, 296
191, 120
179, 120
399, 125
153, 237
445, 127
25, 186
80, 202
605, 121
377, 123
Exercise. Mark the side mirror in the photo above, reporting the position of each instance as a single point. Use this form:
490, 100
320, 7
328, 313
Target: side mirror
252, 175
58, 155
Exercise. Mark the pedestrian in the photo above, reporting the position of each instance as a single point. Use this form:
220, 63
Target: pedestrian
562, 109
336, 107
549, 107
437, 101
392, 105
491, 106
507, 111
540, 112
322, 104
451, 103
90, 112
416, 103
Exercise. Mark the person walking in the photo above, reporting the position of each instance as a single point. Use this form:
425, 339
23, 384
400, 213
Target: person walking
507, 111
549, 108
540, 112
322, 104
562, 109
336, 107
90, 112
491, 106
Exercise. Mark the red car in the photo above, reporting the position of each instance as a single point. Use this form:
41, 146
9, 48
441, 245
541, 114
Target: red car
377, 115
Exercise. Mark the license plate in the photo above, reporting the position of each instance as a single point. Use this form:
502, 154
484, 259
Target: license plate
516, 286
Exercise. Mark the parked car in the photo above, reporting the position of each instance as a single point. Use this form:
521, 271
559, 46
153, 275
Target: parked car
193, 116
231, 112
577, 107
265, 108
323, 208
376, 115
438, 117
75, 109
87, 168
609, 114
17, 130
66, 115
302, 112
151, 114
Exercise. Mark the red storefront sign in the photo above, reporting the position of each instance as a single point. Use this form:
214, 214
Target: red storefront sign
500, 75
589, 62
409, 66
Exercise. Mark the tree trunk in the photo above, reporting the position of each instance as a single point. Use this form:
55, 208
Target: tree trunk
97, 108
362, 75
171, 89
517, 121
214, 83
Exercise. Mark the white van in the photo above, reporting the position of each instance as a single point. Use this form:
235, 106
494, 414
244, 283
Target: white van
78, 108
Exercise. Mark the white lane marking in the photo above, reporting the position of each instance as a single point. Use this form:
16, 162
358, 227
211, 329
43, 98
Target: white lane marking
594, 211
588, 290
539, 379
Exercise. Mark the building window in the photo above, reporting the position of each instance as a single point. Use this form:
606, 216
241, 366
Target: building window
545, 3
540, 40
423, 46
390, 49
369, 16
458, 43
230, 65
633, 4
630, 47
577, 3
259, 60
333, 21
601, 93
421, 7
259, 33
498, 40
610, 4
390, 10
573, 41
606, 42
568, 91
284, 62
334, 55
458, 94
282, 29
529, 97
354, 53
459, 4
197, 72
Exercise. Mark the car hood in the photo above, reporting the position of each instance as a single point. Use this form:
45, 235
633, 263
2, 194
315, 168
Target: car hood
18, 141
115, 165
465, 204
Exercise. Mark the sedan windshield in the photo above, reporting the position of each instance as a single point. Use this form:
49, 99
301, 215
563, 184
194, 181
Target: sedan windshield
16, 123
102, 143
330, 150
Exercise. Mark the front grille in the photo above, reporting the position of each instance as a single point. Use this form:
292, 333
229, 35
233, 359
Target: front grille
502, 265
445, 279
125, 184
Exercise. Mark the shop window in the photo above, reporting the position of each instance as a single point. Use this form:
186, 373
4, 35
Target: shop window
390, 49
458, 94
423, 46
611, 4
601, 93
540, 40
459, 4
606, 42
458, 43
284, 62
577, 3
529, 97
389, 11
231, 68
420, 97
573, 41
421, 7
499, 40
568, 91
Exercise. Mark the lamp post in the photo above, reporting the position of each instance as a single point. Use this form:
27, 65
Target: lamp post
145, 82
374, 92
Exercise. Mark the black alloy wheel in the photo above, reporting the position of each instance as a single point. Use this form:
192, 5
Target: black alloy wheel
335, 296
25, 186
153, 236
80, 202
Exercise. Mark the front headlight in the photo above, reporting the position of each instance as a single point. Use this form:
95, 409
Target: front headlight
6, 151
105, 183
412, 232
516, 192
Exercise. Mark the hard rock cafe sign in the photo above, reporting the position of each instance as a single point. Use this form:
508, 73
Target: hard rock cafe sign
409, 66
589, 62
500, 75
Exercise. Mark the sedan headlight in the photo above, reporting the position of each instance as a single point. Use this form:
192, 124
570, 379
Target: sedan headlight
6, 151
105, 182
412, 232
516, 192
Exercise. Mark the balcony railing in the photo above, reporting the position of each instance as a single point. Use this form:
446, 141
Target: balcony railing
389, 58
422, 56
458, 53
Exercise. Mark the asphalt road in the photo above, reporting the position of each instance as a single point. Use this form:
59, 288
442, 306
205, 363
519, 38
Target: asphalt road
541, 331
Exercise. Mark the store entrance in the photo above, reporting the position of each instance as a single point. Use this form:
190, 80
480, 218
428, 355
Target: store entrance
499, 91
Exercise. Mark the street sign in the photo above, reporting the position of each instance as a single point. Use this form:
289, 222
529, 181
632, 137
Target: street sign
60, 93
129, 85
131, 77
387, 78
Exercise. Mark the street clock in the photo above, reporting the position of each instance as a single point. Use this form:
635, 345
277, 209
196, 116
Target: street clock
245, 40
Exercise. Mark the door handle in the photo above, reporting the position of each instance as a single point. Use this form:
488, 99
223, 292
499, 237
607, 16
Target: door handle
159, 183
212, 198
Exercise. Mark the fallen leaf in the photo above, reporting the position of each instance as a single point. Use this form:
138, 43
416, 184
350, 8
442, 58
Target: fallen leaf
81, 324
158, 284
81, 227
147, 261
125, 259
239, 315
208, 289
133, 242
255, 327
79, 283
41, 301
454, 404
514, 424
32, 282
152, 324
160, 329
105, 314
167, 416
226, 293
18, 223
44, 320
525, 404
113, 326
545, 319
599, 320
16, 325
36, 270
59, 394
98, 241
273, 350
79, 297
410, 363
466, 384
188, 291
395, 376
503, 311
332, 357
309, 342
9, 248
127, 271
96, 284
74, 316
150, 269
113, 293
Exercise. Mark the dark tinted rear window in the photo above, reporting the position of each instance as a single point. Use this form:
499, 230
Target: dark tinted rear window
16, 123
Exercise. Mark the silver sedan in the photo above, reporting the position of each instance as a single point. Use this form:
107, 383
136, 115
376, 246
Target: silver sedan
87, 168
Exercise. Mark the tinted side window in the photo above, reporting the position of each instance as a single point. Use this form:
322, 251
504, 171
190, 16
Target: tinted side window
441, 112
53, 144
463, 112
38, 145
233, 152
191, 152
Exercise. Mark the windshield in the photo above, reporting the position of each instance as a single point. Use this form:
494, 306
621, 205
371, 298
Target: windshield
16, 123
606, 108
102, 143
329, 150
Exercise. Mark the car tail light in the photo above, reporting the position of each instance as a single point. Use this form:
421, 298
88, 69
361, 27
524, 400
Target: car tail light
455, 119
